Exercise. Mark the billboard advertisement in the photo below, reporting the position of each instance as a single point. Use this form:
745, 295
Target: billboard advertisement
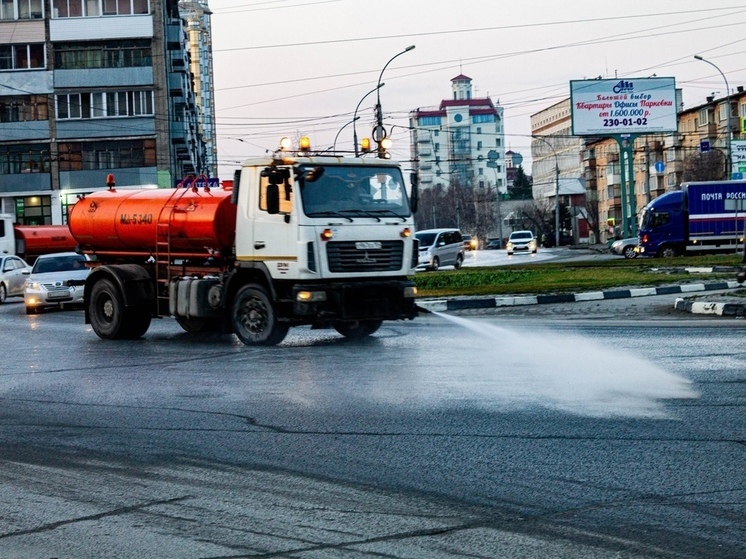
623, 106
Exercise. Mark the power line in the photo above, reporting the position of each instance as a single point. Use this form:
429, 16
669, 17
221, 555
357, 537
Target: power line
473, 30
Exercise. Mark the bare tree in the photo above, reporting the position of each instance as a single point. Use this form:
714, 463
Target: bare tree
592, 213
708, 166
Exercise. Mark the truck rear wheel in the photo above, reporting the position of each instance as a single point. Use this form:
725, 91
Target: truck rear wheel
255, 319
109, 317
668, 252
358, 330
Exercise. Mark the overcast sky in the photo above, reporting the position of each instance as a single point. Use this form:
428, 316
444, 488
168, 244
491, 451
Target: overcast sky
294, 67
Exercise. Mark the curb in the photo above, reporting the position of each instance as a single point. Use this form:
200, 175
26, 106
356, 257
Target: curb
720, 309
444, 305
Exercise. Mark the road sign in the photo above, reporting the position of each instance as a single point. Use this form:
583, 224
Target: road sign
492, 155
704, 146
660, 166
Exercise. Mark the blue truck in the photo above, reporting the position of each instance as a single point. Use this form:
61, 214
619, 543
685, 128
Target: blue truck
701, 217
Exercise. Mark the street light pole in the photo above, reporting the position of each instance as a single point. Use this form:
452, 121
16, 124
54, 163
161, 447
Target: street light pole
729, 159
380, 132
334, 147
355, 117
556, 190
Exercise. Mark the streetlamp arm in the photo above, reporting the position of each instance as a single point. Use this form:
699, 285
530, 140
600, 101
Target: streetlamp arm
728, 111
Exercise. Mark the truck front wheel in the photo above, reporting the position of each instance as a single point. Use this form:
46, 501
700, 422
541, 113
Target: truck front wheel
109, 317
255, 319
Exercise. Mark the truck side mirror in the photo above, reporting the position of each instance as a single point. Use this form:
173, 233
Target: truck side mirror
236, 182
414, 198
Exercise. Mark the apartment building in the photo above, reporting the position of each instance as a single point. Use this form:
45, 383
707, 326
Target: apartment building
461, 141
90, 88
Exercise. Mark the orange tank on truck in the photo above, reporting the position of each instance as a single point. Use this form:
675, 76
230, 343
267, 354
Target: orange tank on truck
31, 241
197, 221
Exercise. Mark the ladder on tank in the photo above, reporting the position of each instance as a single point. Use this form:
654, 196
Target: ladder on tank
163, 253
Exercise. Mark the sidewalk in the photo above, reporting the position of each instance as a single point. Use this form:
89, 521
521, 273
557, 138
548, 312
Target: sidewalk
723, 304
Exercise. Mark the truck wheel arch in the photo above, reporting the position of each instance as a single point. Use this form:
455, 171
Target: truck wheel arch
133, 281
254, 272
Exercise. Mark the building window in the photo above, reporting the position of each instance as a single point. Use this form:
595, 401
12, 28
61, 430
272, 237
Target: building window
113, 154
21, 57
436, 146
22, 108
483, 118
703, 117
116, 54
107, 104
95, 8
26, 9
25, 158
723, 112
429, 121
34, 210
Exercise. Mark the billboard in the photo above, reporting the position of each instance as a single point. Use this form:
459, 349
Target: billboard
626, 106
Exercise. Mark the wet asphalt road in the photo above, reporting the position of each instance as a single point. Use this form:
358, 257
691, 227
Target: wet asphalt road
598, 429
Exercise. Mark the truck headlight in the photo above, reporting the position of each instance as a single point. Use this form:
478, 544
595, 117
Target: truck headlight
311, 296
410, 292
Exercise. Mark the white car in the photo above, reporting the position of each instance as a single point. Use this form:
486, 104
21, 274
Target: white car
13, 272
521, 241
56, 280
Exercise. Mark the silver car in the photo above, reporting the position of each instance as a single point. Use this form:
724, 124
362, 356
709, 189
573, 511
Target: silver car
625, 247
12, 276
56, 280
440, 247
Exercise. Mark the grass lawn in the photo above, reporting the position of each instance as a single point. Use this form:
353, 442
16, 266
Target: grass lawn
546, 278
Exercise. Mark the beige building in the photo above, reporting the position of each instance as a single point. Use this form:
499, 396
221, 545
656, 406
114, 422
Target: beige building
660, 160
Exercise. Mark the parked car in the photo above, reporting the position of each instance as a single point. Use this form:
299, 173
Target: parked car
56, 280
12, 276
551, 240
469, 242
493, 244
440, 247
521, 241
625, 247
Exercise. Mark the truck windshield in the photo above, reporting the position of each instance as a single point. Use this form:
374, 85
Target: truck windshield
354, 191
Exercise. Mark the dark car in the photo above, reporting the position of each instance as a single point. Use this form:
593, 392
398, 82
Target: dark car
493, 244
550, 240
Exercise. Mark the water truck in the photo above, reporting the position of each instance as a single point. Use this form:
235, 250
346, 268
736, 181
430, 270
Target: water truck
701, 217
298, 239
31, 241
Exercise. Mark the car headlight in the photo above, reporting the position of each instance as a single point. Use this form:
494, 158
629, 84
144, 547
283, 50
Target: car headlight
509, 245
32, 285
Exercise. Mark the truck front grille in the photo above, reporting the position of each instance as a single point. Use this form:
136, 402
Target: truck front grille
351, 256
